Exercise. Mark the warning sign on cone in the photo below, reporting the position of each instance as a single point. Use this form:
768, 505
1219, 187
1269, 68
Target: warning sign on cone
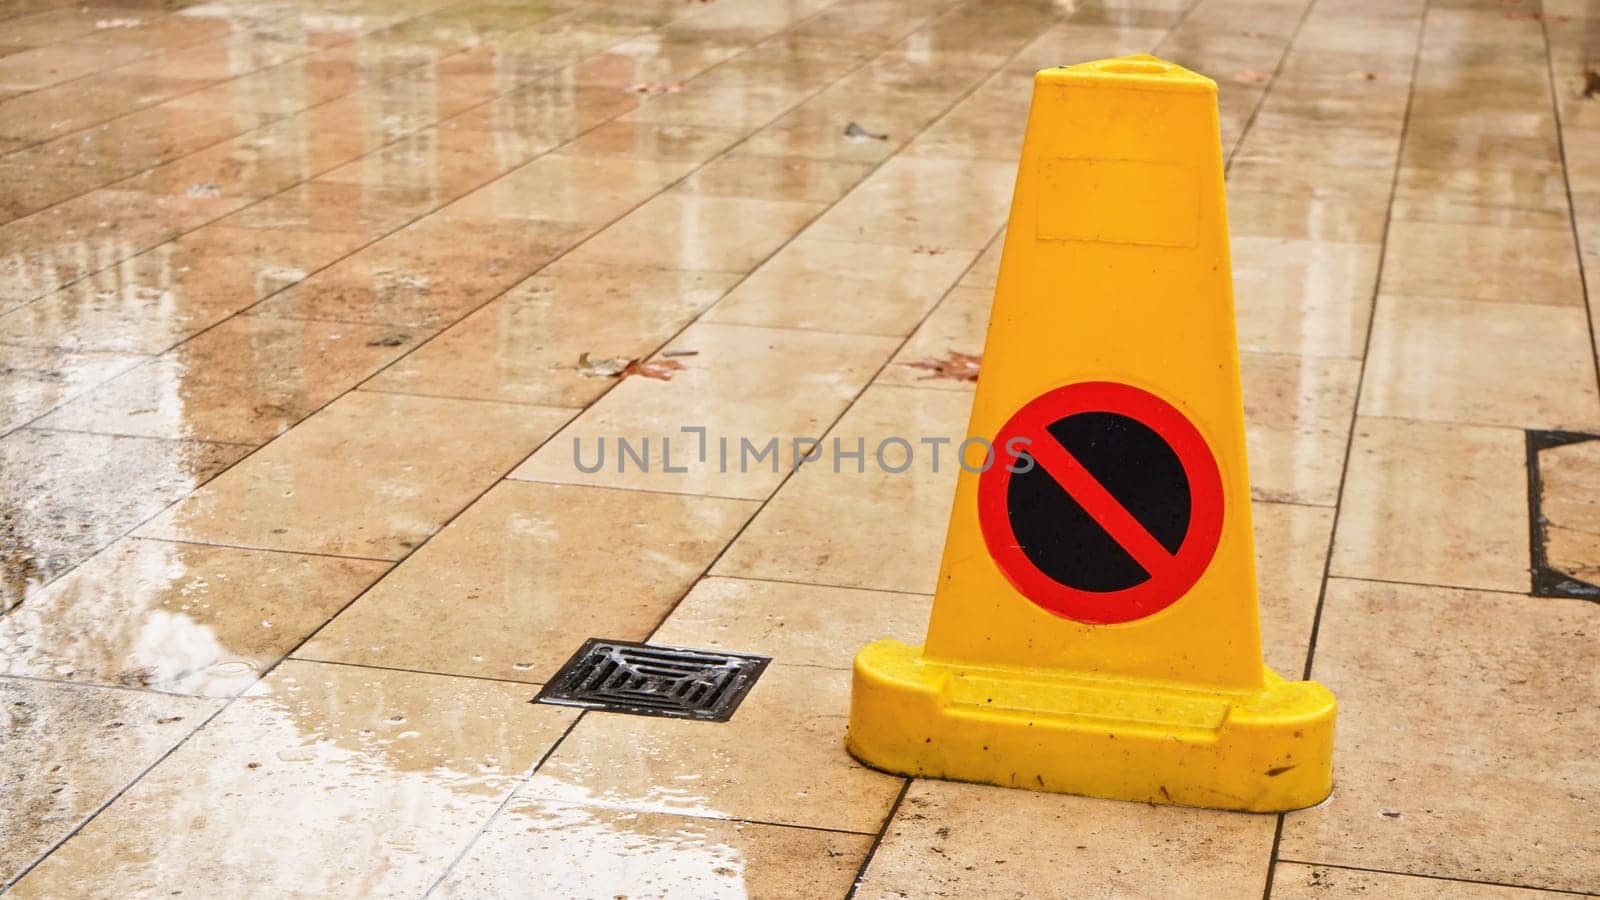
1095, 626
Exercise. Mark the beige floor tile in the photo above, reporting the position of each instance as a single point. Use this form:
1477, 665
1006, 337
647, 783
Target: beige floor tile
1307, 204
1297, 412
776, 178
646, 141
795, 624
986, 270
907, 200
371, 475
377, 779
1482, 262
956, 326
562, 849
779, 760
839, 286
1523, 196
566, 189
524, 347
329, 208
35, 380
870, 529
987, 125
1435, 504
739, 94
528, 573
747, 386
1298, 881
100, 228
698, 233
966, 840
817, 128
1310, 298
429, 274
69, 749
65, 495
1481, 363
156, 299
245, 381
177, 618
1501, 702
1291, 552
259, 163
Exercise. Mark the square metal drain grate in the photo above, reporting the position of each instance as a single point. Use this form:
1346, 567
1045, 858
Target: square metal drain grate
651, 680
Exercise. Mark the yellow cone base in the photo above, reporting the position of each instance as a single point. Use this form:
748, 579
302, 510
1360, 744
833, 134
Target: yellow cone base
1124, 740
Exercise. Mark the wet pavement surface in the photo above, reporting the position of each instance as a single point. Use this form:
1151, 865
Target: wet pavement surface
305, 307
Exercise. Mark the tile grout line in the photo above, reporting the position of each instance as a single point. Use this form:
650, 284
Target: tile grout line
1446, 878
1355, 410
1227, 165
877, 839
1566, 183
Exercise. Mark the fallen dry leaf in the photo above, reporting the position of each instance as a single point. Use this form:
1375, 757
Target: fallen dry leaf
620, 367
928, 249
856, 133
590, 367
1251, 76
660, 370
1591, 83
1364, 76
956, 366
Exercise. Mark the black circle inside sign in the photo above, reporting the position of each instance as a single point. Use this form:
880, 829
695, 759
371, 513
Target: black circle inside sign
1136, 466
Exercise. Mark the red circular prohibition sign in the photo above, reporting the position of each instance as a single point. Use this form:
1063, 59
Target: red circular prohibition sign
1167, 572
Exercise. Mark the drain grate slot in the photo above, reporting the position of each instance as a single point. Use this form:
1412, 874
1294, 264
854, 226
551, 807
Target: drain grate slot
652, 680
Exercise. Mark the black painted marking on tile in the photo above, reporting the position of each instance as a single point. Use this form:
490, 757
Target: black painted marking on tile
652, 680
1548, 581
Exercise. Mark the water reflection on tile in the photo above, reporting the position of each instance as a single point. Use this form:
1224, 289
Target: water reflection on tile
152, 301
527, 574
177, 618
525, 346
69, 749
34, 380
781, 759
66, 494
379, 778
570, 850
361, 477
287, 367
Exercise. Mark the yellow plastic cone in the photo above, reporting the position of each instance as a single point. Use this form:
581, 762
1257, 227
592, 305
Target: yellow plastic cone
1094, 629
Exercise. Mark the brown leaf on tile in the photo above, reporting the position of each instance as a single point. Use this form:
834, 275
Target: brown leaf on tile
856, 133
929, 250
620, 367
660, 370
1363, 75
590, 367
955, 366
1251, 76
1591, 83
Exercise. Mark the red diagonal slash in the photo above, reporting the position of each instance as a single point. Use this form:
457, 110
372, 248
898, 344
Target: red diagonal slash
1105, 509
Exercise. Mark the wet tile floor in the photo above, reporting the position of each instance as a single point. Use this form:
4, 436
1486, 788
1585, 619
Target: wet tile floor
293, 297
